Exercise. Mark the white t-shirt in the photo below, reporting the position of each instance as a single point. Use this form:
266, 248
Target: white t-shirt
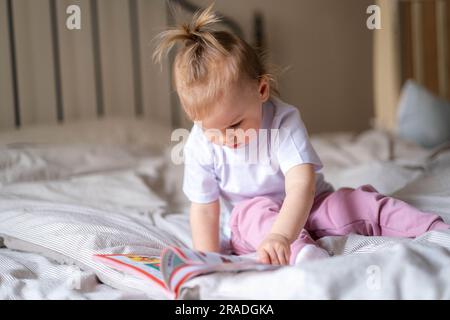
214, 172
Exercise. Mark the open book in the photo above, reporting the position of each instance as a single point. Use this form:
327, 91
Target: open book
176, 265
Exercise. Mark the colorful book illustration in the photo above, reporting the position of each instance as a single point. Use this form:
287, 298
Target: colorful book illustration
177, 265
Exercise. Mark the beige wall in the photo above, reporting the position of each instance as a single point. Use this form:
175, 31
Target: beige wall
329, 49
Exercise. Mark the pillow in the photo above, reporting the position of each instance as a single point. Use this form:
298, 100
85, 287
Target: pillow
121, 191
128, 131
423, 117
38, 162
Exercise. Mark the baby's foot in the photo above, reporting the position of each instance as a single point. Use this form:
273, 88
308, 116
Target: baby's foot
310, 252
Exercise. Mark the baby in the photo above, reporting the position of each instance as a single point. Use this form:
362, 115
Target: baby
277, 204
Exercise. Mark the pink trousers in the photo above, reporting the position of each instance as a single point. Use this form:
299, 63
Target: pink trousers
363, 211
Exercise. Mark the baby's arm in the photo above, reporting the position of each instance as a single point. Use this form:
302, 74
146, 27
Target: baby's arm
300, 190
205, 219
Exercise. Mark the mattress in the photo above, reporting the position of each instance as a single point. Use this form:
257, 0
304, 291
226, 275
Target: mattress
113, 189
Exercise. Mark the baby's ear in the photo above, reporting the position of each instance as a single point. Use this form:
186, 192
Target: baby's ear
264, 89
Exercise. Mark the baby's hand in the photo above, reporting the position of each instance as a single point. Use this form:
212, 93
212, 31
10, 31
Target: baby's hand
274, 249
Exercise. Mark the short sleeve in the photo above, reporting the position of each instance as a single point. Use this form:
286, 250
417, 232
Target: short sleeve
293, 144
199, 182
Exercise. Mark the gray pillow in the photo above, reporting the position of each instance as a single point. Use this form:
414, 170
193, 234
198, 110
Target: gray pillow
423, 117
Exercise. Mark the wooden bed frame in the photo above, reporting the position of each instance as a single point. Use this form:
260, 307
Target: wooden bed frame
413, 44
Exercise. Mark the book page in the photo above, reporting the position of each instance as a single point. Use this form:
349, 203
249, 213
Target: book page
138, 265
181, 264
177, 265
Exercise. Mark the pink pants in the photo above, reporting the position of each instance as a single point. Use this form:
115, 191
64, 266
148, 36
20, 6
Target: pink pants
363, 211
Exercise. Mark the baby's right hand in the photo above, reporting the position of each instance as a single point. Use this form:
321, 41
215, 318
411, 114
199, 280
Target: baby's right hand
274, 249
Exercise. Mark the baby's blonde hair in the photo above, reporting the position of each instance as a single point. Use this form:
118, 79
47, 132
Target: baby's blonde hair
209, 63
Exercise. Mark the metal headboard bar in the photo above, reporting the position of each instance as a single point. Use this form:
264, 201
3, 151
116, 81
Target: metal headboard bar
57, 64
96, 54
259, 32
135, 46
174, 109
13, 64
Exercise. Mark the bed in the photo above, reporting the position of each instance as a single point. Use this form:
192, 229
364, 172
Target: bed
117, 192
112, 188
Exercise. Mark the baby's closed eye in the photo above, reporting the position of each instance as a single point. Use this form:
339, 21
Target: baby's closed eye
236, 125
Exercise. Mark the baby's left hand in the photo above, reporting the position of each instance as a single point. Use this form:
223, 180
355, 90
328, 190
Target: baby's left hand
274, 249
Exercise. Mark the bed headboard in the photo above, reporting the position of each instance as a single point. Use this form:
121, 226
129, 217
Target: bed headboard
424, 43
412, 44
50, 74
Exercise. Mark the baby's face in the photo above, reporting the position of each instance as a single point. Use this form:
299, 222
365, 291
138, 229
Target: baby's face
237, 116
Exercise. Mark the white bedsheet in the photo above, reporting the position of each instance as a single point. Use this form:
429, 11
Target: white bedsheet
26, 275
64, 203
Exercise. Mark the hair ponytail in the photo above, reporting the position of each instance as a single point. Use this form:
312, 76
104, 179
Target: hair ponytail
196, 35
